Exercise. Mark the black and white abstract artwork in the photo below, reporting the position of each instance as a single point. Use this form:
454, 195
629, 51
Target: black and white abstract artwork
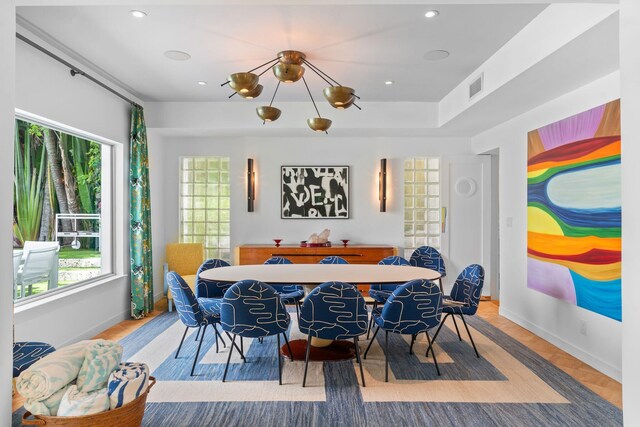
315, 192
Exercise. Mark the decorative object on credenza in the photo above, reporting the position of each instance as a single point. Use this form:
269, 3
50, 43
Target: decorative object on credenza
317, 240
251, 186
315, 192
277, 242
344, 242
382, 185
287, 68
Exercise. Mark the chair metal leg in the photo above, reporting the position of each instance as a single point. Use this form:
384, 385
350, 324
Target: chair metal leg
286, 340
198, 332
470, 337
298, 311
441, 285
386, 356
456, 325
226, 368
215, 336
375, 305
233, 344
371, 342
413, 340
181, 341
355, 342
279, 361
195, 360
218, 336
241, 345
306, 360
435, 361
436, 335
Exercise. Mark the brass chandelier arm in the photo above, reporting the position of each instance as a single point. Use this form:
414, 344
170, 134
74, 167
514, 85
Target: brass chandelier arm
319, 72
253, 69
274, 93
311, 96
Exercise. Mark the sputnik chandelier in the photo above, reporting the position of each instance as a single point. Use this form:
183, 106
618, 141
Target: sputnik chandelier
288, 69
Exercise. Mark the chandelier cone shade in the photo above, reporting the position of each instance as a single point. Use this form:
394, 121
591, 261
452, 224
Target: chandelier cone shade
252, 93
319, 124
290, 66
268, 114
340, 97
243, 82
288, 73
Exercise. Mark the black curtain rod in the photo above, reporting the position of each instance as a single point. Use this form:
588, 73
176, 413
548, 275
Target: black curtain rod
75, 70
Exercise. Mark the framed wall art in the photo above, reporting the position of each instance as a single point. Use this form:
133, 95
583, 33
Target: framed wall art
315, 192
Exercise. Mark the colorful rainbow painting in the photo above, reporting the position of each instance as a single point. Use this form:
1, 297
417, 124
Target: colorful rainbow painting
574, 210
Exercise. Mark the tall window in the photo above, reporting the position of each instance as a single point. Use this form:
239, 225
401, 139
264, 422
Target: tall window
61, 209
422, 213
205, 204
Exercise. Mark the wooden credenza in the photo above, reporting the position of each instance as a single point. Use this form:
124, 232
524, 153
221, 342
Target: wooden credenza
353, 254
356, 254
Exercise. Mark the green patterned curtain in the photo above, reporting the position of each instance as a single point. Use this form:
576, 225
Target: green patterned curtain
140, 218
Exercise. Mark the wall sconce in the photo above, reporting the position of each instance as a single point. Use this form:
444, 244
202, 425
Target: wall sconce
382, 185
251, 185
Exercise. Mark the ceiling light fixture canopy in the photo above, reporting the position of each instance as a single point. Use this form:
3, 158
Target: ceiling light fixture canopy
287, 68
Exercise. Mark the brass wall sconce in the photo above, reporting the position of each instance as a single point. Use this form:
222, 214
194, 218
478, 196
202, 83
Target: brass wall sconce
382, 185
288, 68
251, 186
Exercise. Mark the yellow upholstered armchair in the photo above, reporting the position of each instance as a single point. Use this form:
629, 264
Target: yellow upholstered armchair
184, 259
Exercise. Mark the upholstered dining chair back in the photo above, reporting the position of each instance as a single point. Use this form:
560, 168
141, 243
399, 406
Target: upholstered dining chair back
468, 289
334, 310
428, 257
412, 308
251, 308
185, 301
333, 259
274, 260
210, 288
390, 260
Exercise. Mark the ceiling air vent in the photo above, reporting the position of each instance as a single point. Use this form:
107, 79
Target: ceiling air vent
476, 86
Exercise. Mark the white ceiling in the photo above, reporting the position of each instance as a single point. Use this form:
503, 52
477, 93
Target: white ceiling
360, 46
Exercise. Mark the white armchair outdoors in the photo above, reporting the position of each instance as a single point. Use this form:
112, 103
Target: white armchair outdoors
17, 259
40, 265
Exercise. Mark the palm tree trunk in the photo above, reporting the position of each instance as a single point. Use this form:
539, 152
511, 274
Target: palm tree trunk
69, 179
45, 221
55, 167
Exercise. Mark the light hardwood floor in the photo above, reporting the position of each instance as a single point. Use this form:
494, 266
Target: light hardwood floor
599, 383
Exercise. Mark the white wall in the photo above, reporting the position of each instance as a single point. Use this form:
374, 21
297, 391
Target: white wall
550, 318
7, 93
366, 223
630, 84
45, 88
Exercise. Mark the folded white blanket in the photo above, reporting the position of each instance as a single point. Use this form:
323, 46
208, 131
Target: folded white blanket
48, 406
127, 383
52, 372
76, 403
101, 358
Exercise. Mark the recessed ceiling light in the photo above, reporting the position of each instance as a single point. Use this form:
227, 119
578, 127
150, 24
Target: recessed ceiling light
202, 83
436, 55
138, 13
431, 13
389, 82
177, 55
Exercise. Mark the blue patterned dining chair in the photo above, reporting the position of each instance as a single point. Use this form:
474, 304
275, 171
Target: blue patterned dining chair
193, 312
254, 309
333, 311
210, 288
380, 292
466, 292
428, 257
333, 259
413, 308
289, 294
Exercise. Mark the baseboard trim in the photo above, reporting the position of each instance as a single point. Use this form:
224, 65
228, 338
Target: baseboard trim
101, 327
589, 359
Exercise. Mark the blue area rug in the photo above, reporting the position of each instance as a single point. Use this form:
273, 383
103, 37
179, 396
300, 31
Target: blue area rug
508, 386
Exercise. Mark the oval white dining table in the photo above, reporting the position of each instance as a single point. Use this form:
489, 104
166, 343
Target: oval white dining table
314, 274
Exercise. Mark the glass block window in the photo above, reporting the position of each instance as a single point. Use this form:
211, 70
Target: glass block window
421, 203
205, 204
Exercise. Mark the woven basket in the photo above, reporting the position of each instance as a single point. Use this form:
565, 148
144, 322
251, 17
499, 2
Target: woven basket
127, 415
